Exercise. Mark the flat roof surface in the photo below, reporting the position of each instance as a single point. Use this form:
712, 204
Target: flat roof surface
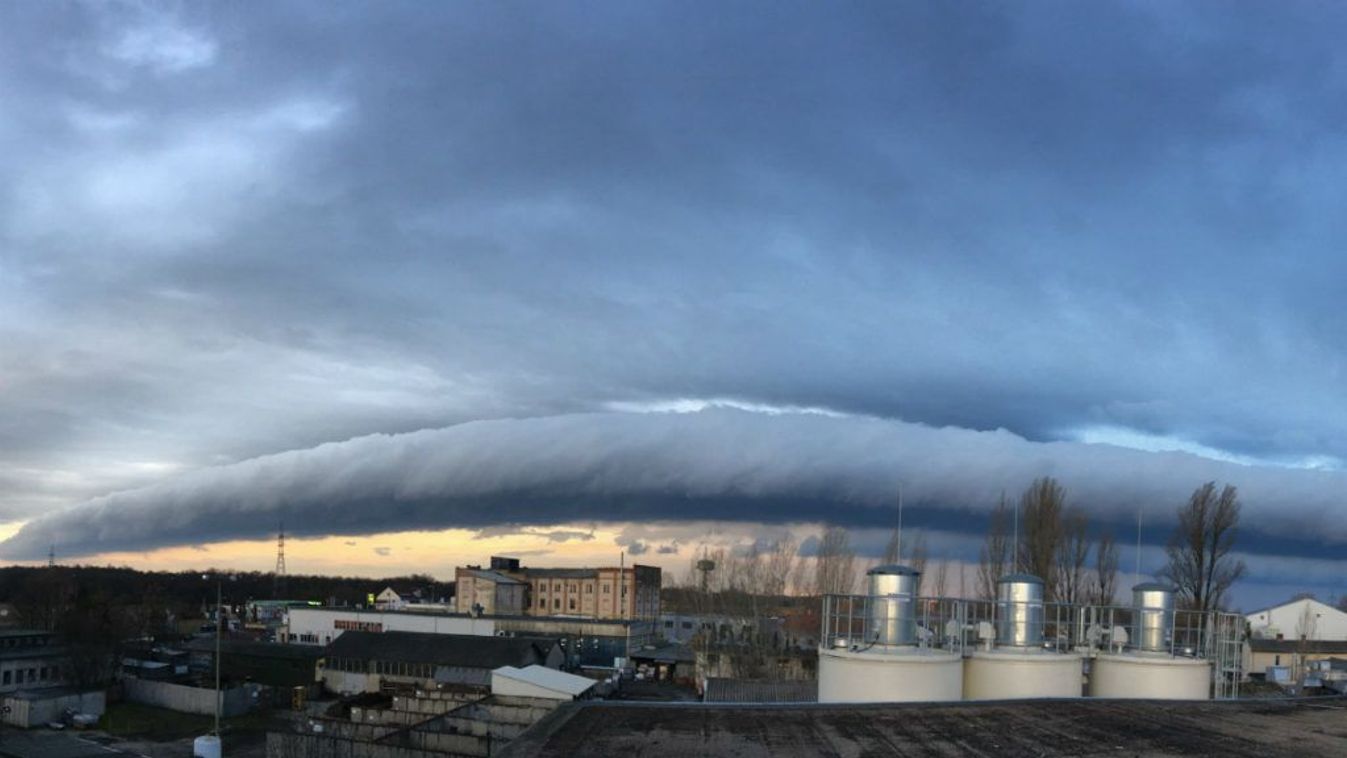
1082, 727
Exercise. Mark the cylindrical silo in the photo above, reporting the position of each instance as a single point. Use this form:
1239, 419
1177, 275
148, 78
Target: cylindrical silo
1149, 670
1019, 667
888, 666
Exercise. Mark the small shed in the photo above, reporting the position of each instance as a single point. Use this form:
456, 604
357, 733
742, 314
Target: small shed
539, 682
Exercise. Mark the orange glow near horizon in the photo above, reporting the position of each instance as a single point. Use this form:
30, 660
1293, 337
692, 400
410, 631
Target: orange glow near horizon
387, 554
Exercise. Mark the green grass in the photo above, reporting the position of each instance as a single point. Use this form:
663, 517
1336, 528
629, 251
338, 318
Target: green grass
144, 722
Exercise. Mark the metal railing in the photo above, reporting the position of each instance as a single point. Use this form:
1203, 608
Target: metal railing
860, 623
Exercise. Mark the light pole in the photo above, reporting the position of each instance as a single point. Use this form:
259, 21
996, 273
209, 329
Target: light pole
219, 634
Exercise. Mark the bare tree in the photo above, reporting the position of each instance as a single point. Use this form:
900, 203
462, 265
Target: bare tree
1041, 511
1105, 570
780, 565
994, 558
835, 565
1200, 561
1073, 551
938, 579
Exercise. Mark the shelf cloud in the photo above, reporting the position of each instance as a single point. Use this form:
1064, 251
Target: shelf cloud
614, 467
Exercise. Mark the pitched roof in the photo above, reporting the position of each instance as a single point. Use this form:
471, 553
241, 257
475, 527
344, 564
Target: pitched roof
545, 678
464, 650
251, 649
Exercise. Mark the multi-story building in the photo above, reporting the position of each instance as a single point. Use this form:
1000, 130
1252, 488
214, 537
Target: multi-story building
488, 592
599, 593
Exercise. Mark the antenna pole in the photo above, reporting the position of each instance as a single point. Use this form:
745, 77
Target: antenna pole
1136, 575
898, 557
1016, 549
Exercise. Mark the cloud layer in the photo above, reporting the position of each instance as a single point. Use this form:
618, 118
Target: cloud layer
228, 231
715, 463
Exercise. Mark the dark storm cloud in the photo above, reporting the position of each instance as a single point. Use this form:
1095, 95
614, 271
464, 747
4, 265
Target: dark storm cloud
723, 464
233, 230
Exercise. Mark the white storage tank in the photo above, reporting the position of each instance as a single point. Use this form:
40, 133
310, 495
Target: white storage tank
1150, 670
1018, 666
887, 665
206, 747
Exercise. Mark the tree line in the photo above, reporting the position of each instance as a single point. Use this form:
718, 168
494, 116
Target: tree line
1041, 533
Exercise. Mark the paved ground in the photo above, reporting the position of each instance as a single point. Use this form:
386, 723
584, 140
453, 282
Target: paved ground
45, 743
1042, 728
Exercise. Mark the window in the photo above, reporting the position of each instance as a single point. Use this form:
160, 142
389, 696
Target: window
687, 624
556, 603
572, 603
669, 625
8, 677
589, 589
42, 674
607, 589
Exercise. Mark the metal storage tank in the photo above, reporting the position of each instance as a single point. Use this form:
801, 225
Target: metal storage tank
1149, 670
1019, 667
888, 666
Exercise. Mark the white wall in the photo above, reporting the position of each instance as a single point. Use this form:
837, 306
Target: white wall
321, 623
1320, 621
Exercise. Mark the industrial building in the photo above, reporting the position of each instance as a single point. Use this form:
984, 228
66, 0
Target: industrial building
614, 592
585, 641
1303, 618
374, 661
30, 658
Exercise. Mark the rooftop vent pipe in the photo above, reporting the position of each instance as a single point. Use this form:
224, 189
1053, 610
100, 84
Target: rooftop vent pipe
1019, 610
1153, 616
892, 615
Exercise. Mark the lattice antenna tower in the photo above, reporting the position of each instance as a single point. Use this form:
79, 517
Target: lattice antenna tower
51, 557
278, 580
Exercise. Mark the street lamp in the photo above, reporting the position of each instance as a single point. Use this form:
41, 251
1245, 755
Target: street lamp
219, 633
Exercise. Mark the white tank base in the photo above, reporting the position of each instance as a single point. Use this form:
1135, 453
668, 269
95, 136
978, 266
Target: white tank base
1013, 674
889, 675
1150, 676
206, 747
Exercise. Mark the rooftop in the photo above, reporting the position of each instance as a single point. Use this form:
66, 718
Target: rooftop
466, 650
255, 649
1057, 728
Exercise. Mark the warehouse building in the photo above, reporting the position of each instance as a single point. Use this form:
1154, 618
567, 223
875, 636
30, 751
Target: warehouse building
374, 661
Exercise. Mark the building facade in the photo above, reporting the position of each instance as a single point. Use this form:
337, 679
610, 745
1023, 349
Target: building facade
599, 593
488, 592
30, 659
371, 662
1300, 619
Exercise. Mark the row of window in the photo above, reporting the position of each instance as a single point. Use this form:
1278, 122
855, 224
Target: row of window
30, 675
383, 668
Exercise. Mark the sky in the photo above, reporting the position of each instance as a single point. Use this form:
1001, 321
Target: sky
428, 282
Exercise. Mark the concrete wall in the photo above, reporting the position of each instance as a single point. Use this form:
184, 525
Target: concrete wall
184, 699
27, 713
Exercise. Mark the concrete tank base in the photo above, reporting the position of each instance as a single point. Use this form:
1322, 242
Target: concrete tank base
889, 675
1015, 674
1150, 676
